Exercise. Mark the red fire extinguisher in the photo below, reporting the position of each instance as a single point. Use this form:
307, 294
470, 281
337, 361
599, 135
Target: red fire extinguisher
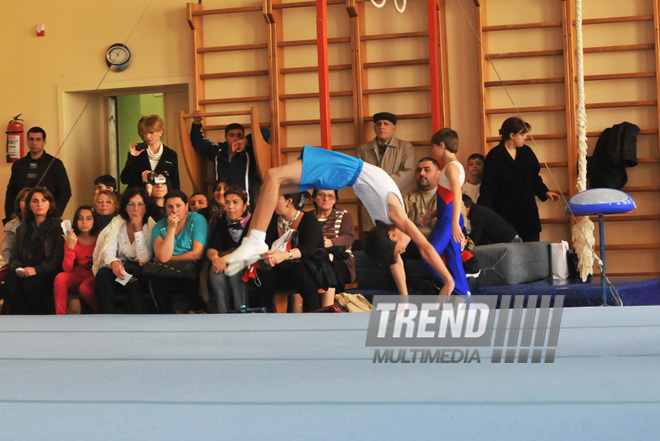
15, 139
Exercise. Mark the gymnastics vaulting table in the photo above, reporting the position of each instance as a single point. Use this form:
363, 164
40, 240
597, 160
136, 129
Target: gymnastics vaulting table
310, 377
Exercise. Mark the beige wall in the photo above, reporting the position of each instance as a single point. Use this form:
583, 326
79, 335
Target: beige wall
49, 79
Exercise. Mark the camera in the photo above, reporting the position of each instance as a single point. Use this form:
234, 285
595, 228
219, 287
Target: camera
154, 179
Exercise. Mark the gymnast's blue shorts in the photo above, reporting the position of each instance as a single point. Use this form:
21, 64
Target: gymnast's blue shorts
328, 170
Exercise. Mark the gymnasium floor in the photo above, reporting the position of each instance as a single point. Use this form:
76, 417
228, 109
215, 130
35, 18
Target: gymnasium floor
310, 376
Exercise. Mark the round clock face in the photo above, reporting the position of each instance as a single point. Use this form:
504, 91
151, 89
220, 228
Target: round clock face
118, 57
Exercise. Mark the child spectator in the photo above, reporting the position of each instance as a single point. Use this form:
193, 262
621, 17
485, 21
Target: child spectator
229, 291
13, 224
487, 226
475, 169
78, 261
105, 182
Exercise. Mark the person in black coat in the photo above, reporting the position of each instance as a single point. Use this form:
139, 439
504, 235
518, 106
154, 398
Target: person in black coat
487, 226
150, 156
36, 257
511, 181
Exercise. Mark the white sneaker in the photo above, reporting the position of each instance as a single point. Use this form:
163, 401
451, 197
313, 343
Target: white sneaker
245, 255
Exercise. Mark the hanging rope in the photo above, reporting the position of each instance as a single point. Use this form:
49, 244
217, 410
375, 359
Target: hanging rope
583, 229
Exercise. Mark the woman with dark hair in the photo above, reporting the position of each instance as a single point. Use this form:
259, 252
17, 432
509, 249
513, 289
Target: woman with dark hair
511, 181
77, 276
180, 237
36, 257
157, 191
287, 268
338, 231
122, 247
230, 292
13, 224
217, 206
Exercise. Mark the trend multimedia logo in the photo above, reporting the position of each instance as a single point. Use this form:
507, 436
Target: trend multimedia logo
462, 328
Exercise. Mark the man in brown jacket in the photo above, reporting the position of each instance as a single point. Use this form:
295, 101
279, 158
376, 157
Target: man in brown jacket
391, 154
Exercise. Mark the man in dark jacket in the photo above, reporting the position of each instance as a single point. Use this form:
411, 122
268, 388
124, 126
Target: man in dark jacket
233, 159
488, 226
37, 168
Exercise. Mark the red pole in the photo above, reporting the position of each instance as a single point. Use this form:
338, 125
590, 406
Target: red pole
434, 66
324, 87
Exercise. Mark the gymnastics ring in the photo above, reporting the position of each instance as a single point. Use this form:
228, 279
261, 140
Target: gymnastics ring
396, 5
373, 2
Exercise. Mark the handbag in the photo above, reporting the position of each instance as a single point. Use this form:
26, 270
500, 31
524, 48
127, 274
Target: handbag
177, 269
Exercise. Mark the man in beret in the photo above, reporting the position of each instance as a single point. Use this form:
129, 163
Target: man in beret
391, 154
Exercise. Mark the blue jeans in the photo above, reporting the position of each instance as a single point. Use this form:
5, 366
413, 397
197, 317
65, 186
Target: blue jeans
229, 291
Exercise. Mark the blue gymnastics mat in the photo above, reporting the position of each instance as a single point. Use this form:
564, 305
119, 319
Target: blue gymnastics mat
310, 376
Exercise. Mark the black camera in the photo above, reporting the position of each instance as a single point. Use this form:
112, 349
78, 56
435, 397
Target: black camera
154, 179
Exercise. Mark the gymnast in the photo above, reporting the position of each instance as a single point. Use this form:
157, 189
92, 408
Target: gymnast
321, 168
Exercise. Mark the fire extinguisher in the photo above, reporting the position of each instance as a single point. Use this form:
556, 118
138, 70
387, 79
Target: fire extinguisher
15, 139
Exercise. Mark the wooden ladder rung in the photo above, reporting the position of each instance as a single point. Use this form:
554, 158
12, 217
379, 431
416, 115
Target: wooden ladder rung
544, 53
311, 122
245, 73
628, 217
630, 246
616, 104
295, 96
555, 220
558, 108
519, 26
619, 48
305, 4
619, 76
641, 132
227, 10
648, 160
538, 137
396, 63
393, 36
244, 99
396, 90
235, 47
641, 188
640, 274
313, 69
292, 43
609, 20
524, 82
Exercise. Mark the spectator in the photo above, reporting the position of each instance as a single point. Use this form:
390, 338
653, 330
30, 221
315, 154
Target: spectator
36, 257
179, 237
198, 201
158, 190
38, 168
77, 276
105, 206
122, 247
286, 269
234, 159
511, 181
230, 292
475, 170
393, 155
12, 225
217, 205
488, 226
150, 156
423, 199
105, 182
338, 231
